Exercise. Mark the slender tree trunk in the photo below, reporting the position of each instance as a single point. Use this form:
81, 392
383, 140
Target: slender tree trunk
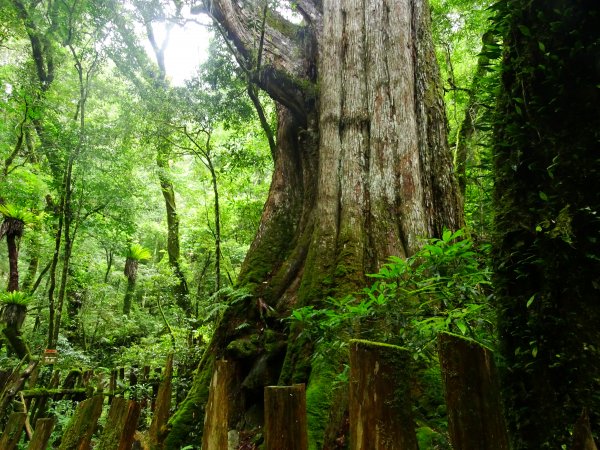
362, 171
109, 263
181, 288
68, 248
217, 212
13, 262
128, 301
32, 269
52, 282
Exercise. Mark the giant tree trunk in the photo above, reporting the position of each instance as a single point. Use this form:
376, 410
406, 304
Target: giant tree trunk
547, 195
362, 172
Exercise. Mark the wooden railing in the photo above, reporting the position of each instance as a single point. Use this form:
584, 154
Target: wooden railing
129, 394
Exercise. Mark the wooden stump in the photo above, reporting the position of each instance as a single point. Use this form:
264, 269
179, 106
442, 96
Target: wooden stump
472, 391
120, 426
80, 429
41, 435
582, 434
380, 404
163, 405
285, 418
217, 418
12, 431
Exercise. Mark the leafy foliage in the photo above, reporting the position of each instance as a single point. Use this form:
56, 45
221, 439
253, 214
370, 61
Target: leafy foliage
138, 252
444, 286
15, 298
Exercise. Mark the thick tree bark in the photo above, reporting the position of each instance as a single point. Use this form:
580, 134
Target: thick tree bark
547, 198
362, 172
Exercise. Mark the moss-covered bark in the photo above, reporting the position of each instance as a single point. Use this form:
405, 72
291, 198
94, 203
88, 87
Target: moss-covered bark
547, 201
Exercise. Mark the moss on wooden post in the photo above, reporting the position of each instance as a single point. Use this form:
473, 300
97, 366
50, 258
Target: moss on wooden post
583, 438
162, 408
41, 435
121, 425
475, 416
218, 409
83, 424
12, 431
285, 418
380, 405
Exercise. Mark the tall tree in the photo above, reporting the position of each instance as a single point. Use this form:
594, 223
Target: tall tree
135, 255
547, 194
154, 88
13, 226
362, 172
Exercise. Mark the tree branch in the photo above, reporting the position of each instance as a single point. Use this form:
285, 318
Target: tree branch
283, 74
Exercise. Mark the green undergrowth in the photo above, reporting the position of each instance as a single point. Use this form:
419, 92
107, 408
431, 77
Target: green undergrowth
443, 287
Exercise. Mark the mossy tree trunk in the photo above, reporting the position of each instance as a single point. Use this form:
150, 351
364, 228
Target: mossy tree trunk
181, 291
362, 172
13, 262
547, 194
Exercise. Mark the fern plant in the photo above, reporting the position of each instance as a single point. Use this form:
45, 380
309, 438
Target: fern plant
15, 298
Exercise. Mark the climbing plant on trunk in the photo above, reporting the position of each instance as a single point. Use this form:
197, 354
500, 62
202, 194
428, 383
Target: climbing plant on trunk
362, 172
135, 255
547, 201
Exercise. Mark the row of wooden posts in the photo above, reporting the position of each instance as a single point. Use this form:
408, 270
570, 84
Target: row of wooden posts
123, 417
380, 409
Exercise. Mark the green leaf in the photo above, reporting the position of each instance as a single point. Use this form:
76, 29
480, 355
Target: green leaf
530, 301
543, 196
542, 46
523, 29
462, 326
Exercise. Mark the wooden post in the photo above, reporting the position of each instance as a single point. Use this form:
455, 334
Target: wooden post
4, 377
472, 391
13, 385
582, 433
163, 405
380, 404
285, 418
120, 426
12, 431
155, 384
112, 384
221, 395
72, 379
41, 435
38, 410
31, 384
80, 429
145, 379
